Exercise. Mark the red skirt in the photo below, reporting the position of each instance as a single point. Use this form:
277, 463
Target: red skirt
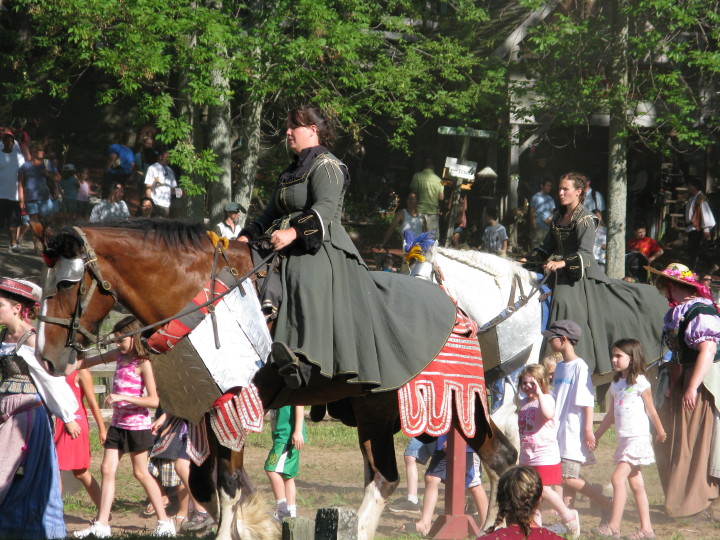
551, 475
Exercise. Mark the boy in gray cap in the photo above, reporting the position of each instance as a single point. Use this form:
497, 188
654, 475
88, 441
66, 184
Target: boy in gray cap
574, 404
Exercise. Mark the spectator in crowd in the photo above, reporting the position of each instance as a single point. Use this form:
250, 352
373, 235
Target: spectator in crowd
160, 183
430, 192
699, 220
644, 244
34, 188
70, 185
594, 201
144, 157
541, 212
83, 193
415, 452
11, 160
495, 238
460, 219
120, 163
112, 207
436, 474
228, 227
519, 493
407, 218
146, 208
283, 461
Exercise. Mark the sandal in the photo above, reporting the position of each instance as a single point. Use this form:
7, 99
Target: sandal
150, 509
639, 534
604, 531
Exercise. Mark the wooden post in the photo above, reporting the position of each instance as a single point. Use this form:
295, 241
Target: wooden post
298, 528
454, 523
336, 523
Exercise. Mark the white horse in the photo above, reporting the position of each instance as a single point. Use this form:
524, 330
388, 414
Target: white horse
484, 285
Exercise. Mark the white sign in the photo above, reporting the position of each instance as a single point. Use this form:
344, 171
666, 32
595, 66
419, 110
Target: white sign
463, 169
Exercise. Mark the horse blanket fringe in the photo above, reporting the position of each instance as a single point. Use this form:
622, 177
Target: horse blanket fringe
233, 415
456, 373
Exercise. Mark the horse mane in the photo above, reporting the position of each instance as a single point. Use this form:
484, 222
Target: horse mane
488, 263
171, 232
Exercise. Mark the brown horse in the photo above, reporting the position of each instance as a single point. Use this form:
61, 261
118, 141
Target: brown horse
153, 267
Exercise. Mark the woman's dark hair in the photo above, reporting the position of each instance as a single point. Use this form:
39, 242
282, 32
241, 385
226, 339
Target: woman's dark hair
519, 492
634, 350
129, 324
30, 309
138, 212
579, 181
309, 115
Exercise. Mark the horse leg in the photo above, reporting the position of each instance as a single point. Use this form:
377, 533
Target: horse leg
377, 420
496, 453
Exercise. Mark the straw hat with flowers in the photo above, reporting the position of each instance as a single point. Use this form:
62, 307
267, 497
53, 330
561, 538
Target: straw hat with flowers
679, 273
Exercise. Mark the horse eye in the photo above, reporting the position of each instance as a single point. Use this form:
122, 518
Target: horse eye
64, 285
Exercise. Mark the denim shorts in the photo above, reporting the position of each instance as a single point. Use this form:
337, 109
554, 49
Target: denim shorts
43, 208
422, 452
473, 468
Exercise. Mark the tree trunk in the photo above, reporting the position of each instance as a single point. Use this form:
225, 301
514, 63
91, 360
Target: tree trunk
617, 145
251, 117
219, 140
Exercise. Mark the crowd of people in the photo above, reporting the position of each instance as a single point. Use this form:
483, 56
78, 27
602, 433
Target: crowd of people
35, 186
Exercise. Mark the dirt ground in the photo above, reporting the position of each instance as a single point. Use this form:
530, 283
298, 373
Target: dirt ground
333, 475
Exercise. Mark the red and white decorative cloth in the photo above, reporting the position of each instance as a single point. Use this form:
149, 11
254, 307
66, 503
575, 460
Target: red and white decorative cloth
426, 402
233, 415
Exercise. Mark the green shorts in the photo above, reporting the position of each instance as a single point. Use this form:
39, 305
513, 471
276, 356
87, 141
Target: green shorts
284, 458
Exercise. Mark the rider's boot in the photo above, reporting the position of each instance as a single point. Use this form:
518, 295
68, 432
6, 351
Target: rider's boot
288, 364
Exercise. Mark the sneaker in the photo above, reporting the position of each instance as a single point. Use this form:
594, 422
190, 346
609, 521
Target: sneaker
278, 516
558, 528
405, 507
164, 528
14, 249
573, 526
97, 530
201, 521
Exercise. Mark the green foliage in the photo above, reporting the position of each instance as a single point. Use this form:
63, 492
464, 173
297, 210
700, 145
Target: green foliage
672, 58
360, 59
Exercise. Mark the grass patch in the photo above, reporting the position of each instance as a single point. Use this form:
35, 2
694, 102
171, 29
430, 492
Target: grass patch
326, 434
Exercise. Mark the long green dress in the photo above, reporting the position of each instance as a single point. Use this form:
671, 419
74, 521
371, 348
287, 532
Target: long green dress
375, 328
606, 309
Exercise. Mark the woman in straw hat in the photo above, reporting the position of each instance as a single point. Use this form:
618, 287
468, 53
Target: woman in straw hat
689, 461
30, 502
605, 309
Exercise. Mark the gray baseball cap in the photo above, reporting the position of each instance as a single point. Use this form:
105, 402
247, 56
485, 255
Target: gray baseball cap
563, 328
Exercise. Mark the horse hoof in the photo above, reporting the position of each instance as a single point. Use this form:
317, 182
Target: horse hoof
287, 363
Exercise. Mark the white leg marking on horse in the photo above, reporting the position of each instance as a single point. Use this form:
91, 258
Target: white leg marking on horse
226, 514
377, 494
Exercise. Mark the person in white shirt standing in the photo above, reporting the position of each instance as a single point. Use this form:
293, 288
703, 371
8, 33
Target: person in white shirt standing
228, 227
11, 159
699, 220
160, 183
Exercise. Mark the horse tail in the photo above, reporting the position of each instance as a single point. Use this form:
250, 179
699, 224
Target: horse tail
252, 520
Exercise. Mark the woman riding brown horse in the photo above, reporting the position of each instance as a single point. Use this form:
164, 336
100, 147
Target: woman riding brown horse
166, 252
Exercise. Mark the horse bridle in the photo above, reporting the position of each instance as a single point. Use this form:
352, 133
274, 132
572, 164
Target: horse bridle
84, 296
90, 265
